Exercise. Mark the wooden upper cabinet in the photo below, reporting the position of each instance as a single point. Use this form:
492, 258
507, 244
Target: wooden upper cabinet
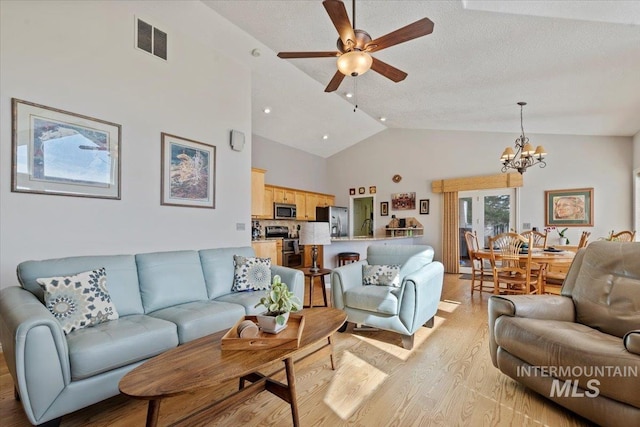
284, 195
312, 202
268, 202
257, 192
301, 205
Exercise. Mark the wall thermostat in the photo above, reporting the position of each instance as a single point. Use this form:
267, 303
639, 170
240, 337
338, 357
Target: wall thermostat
237, 140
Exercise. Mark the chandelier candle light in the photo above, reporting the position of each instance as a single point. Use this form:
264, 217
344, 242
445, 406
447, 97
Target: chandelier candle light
524, 156
315, 233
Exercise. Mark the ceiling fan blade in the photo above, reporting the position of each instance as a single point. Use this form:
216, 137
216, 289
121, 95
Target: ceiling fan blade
335, 82
332, 54
338, 14
390, 72
412, 31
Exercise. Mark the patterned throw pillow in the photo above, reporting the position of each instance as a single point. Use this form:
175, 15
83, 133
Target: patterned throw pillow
251, 274
79, 301
381, 275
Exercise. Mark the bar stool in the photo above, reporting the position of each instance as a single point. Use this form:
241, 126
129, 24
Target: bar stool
347, 257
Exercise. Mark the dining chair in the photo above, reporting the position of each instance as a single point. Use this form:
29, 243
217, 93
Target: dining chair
622, 236
555, 274
477, 265
539, 238
512, 265
584, 238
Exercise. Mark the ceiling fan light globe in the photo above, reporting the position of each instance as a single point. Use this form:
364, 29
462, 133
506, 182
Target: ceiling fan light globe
354, 63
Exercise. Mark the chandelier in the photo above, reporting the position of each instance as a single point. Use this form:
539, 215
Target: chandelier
524, 156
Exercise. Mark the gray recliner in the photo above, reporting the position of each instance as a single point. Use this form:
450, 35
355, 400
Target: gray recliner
581, 348
402, 309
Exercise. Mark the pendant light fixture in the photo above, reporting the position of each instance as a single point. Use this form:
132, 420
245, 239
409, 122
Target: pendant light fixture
524, 156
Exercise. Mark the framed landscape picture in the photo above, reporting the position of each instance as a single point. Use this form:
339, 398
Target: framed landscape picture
187, 172
63, 153
569, 208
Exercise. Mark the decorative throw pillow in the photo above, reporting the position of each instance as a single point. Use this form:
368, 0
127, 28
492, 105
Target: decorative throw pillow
251, 274
381, 275
79, 301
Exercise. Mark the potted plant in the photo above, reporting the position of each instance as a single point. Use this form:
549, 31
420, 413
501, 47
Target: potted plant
279, 301
563, 238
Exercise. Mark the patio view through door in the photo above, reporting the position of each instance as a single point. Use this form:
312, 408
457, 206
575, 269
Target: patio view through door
488, 213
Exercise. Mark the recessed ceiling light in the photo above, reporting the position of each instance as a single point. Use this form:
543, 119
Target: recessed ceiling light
267, 110
348, 95
383, 119
255, 52
325, 136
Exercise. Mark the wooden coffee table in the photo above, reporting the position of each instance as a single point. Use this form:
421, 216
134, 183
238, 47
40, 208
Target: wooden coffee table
201, 364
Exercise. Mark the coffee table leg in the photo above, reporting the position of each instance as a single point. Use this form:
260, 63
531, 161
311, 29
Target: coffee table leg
152, 413
291, 383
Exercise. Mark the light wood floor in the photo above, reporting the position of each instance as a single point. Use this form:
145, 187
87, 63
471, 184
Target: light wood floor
446, 380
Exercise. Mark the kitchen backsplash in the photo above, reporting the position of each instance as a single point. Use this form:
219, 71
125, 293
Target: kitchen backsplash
292, 225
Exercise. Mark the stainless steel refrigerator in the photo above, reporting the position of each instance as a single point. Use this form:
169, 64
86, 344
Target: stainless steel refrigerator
337, 217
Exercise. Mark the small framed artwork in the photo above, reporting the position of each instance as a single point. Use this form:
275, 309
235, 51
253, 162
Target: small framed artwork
372, 189
403, 201
187, 172
352, 191
567, 208
424, 207
384, 208
361, 190
63, 153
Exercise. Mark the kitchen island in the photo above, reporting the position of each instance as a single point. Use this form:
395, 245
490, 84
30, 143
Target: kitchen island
360, 245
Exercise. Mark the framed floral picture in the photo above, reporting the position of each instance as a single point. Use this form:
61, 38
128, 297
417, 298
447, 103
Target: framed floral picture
63, 153
567, 208
187, 172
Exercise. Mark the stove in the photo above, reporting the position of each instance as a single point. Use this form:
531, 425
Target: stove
292, 252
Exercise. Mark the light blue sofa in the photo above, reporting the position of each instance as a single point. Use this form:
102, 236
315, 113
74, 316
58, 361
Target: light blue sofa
401, 309
163, 299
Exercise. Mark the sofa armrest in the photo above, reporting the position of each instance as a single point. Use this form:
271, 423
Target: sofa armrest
292, 277
344, 278
421, 295
549, 307
35, 349
632, 341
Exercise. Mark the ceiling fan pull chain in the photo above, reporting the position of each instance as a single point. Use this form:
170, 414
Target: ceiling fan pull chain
355, 93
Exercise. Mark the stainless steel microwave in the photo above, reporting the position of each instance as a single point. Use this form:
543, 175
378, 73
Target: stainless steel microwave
284, 211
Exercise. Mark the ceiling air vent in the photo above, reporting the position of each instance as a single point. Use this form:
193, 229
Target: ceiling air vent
151, 39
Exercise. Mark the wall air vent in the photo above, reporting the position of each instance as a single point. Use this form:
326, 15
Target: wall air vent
150, 39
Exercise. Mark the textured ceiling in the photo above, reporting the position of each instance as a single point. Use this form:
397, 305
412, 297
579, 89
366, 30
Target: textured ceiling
579, 76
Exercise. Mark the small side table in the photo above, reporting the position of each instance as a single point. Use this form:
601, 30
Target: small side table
312, 275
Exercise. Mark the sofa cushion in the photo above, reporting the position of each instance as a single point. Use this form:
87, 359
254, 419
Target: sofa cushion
121, 342
381, 275
553, 343
199, 318
248, 300
170, 278
218, 268
377, 299
606, 292
80, 300
121, 270
251, 273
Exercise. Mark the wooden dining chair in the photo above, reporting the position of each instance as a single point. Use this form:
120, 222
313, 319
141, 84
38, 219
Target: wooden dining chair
539, 239
512, 267
584, 238
623, 236
556, 273
478, 271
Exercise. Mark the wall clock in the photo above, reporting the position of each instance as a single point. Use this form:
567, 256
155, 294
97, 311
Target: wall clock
396, 178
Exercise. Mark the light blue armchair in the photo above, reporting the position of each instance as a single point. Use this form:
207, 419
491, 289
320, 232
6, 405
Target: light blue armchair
402, 308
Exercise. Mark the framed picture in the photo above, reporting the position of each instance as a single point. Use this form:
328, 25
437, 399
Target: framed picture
361, 190
569, 208
384, 208
63, 153
352, 191
372, 189
403, 201
424, 206
187, 172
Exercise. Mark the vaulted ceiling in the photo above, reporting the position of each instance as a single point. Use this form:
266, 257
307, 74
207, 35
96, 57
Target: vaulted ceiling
576, 64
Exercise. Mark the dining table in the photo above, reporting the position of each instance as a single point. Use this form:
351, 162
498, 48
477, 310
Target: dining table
545, 257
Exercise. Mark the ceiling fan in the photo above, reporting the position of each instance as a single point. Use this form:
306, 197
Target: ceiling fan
355, 46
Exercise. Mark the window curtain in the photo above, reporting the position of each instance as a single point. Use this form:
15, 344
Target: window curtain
450, 233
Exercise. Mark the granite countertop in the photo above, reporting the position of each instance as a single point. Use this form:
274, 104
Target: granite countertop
357, 239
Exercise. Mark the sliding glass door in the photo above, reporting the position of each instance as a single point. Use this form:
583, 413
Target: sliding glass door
488, 213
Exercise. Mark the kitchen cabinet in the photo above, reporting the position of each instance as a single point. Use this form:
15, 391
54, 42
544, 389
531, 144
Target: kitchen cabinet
301, 205
279, 251
284, 195
266, 249
305, 201
257, 192
310, 208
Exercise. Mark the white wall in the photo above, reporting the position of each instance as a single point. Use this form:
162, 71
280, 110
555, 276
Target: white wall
79, 57
636, 151
289, 167
421, 156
